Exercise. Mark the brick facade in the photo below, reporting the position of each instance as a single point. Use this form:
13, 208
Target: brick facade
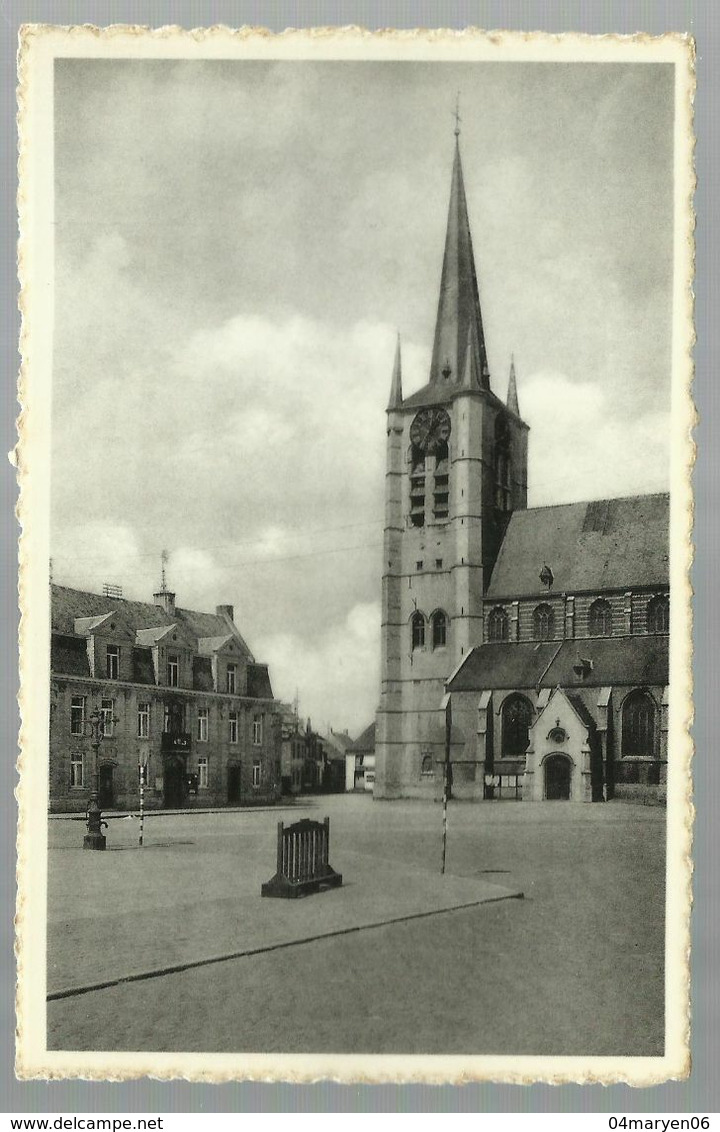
209, 729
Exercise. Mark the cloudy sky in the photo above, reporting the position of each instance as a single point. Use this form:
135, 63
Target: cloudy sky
238, 243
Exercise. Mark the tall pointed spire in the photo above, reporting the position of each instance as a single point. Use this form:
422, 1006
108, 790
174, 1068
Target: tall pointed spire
471, 370
459, 305
396, 396
512, 397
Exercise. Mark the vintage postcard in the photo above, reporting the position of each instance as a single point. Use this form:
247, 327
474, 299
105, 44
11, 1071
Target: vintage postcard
355, 457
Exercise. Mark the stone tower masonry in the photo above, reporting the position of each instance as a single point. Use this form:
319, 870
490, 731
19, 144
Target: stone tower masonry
456, 467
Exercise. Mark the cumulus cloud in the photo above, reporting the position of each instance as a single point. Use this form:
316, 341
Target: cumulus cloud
337, 673
582, 447
231, 272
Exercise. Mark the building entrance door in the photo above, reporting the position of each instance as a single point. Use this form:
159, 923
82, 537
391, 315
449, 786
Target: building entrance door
557, 778
233, 785
106, 794
174, 783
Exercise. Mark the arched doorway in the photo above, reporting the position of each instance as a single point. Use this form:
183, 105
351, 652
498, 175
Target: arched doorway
174, 783
106, 792
557, 778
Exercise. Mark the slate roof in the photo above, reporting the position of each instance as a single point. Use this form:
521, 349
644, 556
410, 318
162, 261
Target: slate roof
152, 636
601, 545
67, 604
202, 674
340, 739
209, 645
526, 664
432, 394
87, 624
258, 682
365, 741
68, 655
143, 668
580, 709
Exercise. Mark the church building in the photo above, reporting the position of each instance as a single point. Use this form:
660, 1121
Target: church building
546, 627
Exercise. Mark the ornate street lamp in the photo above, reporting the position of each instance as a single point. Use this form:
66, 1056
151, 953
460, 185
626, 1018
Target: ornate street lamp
95, 838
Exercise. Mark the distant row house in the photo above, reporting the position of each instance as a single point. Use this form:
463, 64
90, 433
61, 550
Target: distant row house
311, 763
176, 690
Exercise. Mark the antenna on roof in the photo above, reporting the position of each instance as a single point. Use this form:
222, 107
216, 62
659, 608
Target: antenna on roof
163, 562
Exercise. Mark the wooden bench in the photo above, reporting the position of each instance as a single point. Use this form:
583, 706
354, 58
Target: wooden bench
302, 860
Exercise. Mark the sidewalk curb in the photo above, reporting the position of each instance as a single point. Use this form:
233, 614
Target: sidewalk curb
121, 815
190, 964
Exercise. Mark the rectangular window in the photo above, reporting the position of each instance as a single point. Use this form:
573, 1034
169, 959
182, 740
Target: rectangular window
112, 658
257, 730
202, 725
77, 772
143, 721
173, 667
233, 727
256, 772
107, 718
203, 771
77, 715
231, 679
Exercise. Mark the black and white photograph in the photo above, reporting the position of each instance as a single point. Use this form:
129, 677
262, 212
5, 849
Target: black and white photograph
355, 463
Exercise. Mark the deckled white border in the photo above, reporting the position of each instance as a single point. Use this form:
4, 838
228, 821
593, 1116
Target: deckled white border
39, 45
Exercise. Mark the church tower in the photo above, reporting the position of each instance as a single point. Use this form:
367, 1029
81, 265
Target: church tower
456, 468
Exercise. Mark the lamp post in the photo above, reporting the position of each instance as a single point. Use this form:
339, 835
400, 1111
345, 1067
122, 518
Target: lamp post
95, 838
143, 761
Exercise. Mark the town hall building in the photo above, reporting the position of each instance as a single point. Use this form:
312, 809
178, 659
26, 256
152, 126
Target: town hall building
547, 627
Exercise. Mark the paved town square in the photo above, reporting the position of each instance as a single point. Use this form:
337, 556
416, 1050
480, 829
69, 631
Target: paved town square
398, 960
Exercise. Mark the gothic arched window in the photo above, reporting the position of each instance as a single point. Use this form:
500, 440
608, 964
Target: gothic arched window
543, 623
503, 478
638, 724
600, 619
517, 714
658, 615
498, 624
439, 630
427, 766
418, 631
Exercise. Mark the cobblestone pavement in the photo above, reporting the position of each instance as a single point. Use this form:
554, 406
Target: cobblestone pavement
574, 968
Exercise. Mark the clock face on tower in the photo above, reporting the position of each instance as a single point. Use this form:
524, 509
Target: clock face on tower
429, 429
